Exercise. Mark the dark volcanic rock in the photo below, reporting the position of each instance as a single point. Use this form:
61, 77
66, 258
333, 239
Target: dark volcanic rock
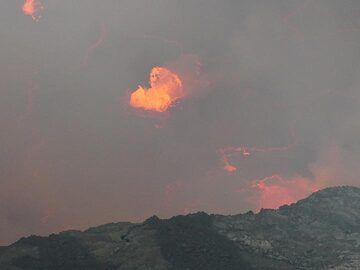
320, 232
190, 242
57, 252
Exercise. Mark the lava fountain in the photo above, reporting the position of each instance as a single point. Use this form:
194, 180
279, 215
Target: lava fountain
32, 8
165, 88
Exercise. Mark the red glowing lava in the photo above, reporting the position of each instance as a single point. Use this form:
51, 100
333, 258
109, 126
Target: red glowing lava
165, 88
276, 191
246, 152
32, 8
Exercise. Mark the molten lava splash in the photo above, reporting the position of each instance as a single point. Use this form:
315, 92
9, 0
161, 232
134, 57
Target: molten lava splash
276, 191
32, 8
165, 88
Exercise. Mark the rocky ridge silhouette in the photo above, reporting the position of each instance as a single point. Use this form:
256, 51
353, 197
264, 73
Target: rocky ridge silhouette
319, 232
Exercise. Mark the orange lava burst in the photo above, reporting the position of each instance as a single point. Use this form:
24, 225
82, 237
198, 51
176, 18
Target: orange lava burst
276, 191
165, 88
32, 8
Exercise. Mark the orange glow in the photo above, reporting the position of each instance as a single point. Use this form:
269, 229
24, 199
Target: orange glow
276, 191
246, 152
226, 154
230, 168
225, 160
165, 88
32, 8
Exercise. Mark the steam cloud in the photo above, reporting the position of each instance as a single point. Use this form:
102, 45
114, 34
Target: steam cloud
259, 76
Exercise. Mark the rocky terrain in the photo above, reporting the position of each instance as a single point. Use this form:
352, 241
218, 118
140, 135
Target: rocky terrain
319, 232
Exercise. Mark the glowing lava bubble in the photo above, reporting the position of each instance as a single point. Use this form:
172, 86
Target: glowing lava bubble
32, 8
165, 88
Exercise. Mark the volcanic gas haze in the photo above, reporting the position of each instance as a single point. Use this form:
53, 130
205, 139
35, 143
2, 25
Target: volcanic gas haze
32, 8
165, 88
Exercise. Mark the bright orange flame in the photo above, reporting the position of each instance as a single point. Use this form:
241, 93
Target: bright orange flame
165, 88
32, 8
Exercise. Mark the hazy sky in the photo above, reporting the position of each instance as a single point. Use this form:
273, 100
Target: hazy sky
278, 79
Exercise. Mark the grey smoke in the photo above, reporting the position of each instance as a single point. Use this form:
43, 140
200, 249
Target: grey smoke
81, 157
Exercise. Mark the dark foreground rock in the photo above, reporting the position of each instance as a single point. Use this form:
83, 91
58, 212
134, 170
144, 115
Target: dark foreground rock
320, 232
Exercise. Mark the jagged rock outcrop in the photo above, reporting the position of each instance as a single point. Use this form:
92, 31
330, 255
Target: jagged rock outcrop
320, 232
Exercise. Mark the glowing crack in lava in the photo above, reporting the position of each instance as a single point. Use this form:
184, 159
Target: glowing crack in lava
165, 88
246, 152
32, 8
